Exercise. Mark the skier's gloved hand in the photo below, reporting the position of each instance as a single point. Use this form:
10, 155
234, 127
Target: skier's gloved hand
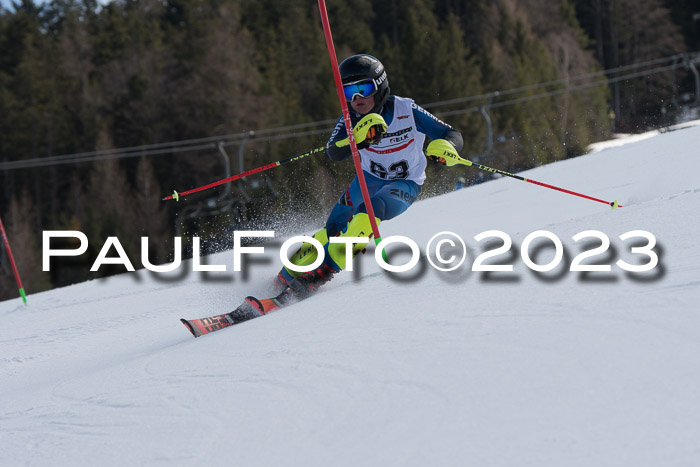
441, 151
374, 135
368, 130
437, 160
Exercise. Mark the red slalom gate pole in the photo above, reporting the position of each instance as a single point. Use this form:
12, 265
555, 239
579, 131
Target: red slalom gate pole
12, 262
348, 124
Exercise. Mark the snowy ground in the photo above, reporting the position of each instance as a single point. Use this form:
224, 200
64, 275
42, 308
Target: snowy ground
412, 369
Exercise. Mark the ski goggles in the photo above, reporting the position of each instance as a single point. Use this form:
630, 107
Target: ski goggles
364, 88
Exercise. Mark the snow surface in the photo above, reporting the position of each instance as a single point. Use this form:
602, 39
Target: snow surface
620, 139
412, 369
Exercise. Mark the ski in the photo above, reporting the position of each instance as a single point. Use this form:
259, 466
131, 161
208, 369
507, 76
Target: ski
199, 327
250, 308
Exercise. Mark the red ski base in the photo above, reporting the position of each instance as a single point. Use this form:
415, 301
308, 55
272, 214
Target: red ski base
199, 327
250, 308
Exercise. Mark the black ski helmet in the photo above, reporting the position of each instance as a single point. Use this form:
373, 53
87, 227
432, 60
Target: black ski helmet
363, 66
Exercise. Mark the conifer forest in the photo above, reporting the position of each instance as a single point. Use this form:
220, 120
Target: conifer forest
107, 107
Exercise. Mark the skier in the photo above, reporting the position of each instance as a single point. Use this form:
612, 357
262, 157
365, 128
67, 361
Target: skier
389, 132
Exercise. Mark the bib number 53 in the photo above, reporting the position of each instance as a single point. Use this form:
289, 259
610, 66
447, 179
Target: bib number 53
396, 171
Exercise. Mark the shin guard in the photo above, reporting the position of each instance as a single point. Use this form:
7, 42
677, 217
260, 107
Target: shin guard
359, 226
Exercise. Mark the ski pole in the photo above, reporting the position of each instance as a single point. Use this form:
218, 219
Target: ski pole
451, 160
12, 262
272, 165
348, 124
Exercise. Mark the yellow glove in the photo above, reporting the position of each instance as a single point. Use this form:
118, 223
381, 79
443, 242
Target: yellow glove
441, 151
369, 130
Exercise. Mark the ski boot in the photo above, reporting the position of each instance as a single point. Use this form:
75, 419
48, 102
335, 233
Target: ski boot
306, 284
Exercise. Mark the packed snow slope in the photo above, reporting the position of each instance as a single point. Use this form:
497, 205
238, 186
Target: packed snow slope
407, 369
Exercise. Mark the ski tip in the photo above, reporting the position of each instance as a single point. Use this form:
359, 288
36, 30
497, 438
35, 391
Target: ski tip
189, 326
